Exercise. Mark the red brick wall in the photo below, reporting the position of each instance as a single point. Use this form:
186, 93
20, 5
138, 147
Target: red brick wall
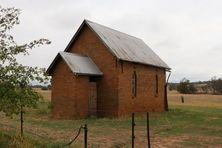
145, 100
70, 94
69, 99
89, 44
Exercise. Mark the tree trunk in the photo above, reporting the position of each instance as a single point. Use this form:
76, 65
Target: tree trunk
21, 120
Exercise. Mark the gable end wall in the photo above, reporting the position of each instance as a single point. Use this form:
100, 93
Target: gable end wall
68, 98
88, 43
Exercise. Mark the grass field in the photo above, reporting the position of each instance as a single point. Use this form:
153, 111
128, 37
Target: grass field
203, 100
195, 123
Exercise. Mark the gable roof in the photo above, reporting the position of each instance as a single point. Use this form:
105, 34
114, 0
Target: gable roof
79, 64
123, 46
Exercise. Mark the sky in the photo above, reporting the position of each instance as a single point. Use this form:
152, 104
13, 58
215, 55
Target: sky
186, 34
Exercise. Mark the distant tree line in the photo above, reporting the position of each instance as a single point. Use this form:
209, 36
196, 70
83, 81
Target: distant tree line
213, 86
216, 85
42, 87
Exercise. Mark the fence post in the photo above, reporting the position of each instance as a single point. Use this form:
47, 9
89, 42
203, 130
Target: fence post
85, 135
133, 125
148, 129
182, 99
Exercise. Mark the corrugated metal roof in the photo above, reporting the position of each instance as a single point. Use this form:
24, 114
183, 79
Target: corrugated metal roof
126, 47
80, 64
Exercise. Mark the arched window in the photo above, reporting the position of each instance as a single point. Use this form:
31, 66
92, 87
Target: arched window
156, 86
134, 84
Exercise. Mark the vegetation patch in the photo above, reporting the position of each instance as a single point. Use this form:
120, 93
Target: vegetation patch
183, 125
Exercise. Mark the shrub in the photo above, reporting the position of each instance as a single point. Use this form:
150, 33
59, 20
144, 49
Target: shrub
185, 87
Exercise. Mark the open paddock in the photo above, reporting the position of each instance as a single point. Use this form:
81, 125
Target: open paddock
195, 123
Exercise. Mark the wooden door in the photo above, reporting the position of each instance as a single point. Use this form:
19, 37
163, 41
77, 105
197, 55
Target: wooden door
93, 99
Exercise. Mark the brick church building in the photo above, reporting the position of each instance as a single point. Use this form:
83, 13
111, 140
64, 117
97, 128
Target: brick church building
106, 73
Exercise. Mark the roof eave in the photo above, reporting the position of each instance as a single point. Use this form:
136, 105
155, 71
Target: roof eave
166, 68
75, 35
87, 74
48, 71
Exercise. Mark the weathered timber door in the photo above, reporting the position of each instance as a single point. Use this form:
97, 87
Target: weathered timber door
93, 99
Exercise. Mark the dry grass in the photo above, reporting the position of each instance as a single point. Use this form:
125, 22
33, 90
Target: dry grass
186, 125
204, 100
45, 93
174, 98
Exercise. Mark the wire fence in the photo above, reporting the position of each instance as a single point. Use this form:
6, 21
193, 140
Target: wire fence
133, 124
88, 139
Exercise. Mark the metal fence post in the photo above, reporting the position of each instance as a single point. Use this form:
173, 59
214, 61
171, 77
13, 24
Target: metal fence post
148, 129
85, 135
133, 125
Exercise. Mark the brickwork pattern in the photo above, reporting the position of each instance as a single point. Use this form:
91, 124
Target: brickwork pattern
70, 93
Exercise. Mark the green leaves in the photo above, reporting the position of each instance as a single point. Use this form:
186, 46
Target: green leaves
15, 78
8, 18
185, 87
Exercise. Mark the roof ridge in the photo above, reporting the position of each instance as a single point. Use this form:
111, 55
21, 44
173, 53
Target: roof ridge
112, 29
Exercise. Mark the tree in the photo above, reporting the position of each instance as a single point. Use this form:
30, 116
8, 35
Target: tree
182, 87
172, 86
15, 92
191, 88
204, 88
218, 86
186, 87
213, 84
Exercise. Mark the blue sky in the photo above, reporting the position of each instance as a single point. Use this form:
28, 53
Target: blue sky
186, 34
